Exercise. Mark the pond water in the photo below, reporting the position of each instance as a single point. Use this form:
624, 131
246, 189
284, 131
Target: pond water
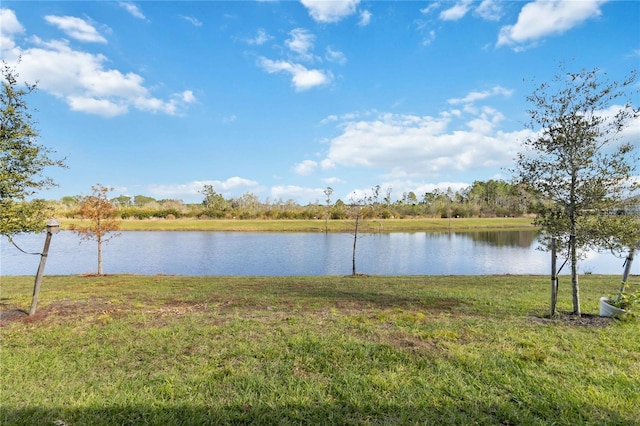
273, 254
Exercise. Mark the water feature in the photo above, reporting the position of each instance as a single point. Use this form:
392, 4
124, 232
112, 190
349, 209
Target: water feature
272, 254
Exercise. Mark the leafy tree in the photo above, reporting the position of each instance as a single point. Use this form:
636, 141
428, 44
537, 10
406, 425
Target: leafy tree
101, 213
576, 160
214, 204
122, 201
70, 201
141, 200
22, 160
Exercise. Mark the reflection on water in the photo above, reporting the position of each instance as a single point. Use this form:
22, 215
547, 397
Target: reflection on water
243, 253
504, 238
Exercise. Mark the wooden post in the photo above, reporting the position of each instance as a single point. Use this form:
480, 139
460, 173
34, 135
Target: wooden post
554, 278
355, 241
627, 271
52, 227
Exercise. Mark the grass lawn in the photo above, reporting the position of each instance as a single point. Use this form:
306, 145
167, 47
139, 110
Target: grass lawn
171, 350
369, 225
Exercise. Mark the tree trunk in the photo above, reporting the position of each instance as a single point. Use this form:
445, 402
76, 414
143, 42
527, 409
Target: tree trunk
326, 222
575, 286
99, 256
554, 278
355, 240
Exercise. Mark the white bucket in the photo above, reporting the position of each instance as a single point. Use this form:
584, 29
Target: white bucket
606, 310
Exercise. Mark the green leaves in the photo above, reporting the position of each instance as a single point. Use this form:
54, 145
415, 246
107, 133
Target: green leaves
577, 165
22, 160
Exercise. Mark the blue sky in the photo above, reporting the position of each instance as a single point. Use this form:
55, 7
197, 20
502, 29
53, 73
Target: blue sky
282, 99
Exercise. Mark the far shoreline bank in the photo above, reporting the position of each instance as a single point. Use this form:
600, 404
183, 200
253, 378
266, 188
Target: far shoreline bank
319, 225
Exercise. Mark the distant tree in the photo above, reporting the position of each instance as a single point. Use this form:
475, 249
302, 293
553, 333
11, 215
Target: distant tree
248, 205
101, 214
70, 201
376, 194
121, 201
214, 203
576, 160
22, 160
338, 211
141, 200
327, 192
411, 198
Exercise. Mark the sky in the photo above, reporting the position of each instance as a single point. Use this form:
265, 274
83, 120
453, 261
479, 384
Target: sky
283, 99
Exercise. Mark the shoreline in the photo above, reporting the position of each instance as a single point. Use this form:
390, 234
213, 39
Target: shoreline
319, 225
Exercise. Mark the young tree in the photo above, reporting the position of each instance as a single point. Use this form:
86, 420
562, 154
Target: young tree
22, 160
361, 208
576, 161
328, 193
101, 213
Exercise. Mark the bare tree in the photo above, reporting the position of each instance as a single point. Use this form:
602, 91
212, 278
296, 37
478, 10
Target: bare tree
361, 208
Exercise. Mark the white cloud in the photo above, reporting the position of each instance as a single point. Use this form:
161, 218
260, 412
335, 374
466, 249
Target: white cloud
10, 23
9, 27
81, 78
542, 18
330, 11
476, 96
332, 55
103, 107
301, 77
333, 180
188, 96
191, 190
76, 28
305, 168
490, 10
287, 192
261, 38
400, 186
365, 18
193, 21
133, 10
429, 38
456, 12
430, 8
301, 42
422, 146
229, 119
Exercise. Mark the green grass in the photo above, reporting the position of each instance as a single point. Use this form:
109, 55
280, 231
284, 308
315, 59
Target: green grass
378, 225
170, 350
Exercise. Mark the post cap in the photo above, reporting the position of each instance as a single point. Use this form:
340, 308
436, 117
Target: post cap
53, 225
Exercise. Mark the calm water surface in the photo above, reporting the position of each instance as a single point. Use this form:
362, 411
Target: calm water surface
269, 254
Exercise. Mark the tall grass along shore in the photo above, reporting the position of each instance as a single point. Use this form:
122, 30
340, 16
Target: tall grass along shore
318, 225
170, 350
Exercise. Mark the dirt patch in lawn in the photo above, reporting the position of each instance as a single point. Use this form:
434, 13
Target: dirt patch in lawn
584, 320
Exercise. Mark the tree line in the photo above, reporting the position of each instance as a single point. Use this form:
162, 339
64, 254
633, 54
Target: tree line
493, 198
